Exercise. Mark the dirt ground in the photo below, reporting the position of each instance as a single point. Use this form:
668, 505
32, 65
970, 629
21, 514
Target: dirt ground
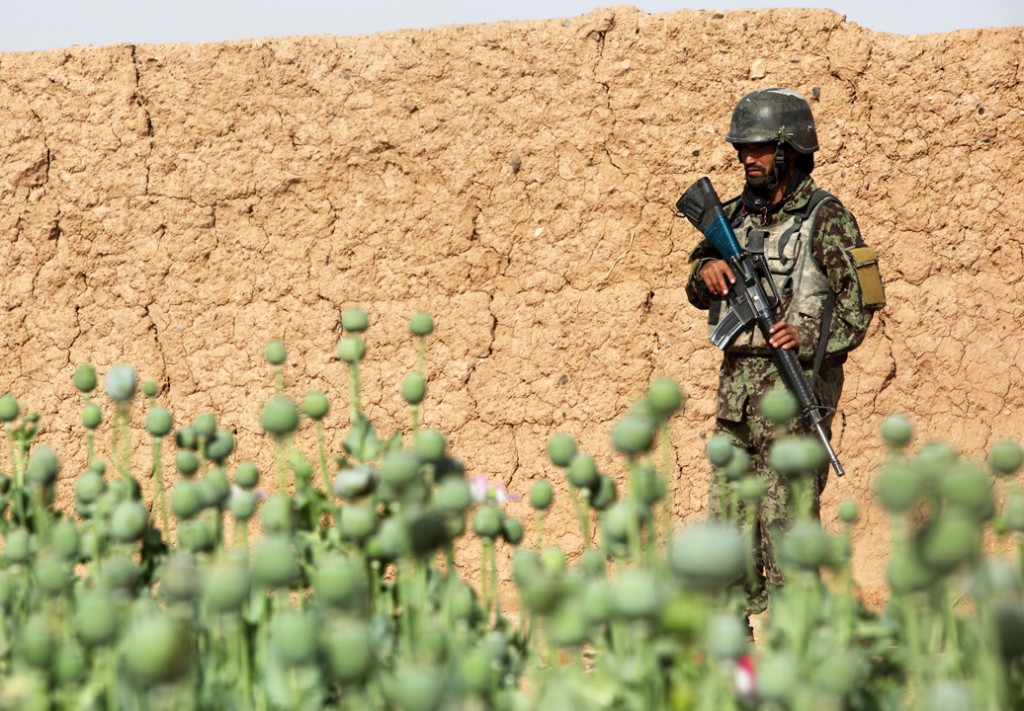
175, 207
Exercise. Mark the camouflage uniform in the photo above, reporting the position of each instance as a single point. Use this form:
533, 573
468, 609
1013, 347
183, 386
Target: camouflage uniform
749, 372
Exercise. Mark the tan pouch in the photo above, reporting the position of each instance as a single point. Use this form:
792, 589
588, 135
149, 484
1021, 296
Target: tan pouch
872, 292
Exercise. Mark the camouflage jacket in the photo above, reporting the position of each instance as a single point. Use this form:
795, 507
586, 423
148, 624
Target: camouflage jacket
745, 377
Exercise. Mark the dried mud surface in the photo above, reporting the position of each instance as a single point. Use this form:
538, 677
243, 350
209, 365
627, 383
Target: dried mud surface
176, 207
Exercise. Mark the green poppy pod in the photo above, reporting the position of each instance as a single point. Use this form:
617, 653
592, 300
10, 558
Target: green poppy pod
275, 562
35, 642
119, 572
220, 446
277, 515
70, 664
293, 637
197, 535
128, 522
179, 578
302, 467
186, 462
156, 649
726, 636
798, 456
594, 563
348, 648
280, 416
392, 540
121, 383
487, 522
582, 471
1014, 513
316, 405
525, 566
597, 602
247, 475
275, 352
185, 502
96, 619
649, 486
53, 574
205, 425
186, 438
684, 615
720, 450
906, 573
842, 672
664, 396
429, 445
969, 489
149, 388
779, 407
541, 494
214, 488
357, 522
84, 378
354, 482
354, 320
242, 505
421, 324
399, 469
338, 582
777, 678
64, 539
561, 449
512, 530
897, 431
453, 496
476, 672
159, 421
636, 595
17, 546
552, 560
898, 487
708, 555
351, 349
569, 626
92, 416
602, 494
9, 408
42, 467
849, 512
226, 584
750, 489
414, 388
633, 435
948, 540
621, 521
805, 545
1005, 457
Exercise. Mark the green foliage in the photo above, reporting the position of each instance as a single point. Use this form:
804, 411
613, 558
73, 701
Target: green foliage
353, 595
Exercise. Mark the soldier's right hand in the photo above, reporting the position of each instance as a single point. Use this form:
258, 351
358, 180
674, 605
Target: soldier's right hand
717, 277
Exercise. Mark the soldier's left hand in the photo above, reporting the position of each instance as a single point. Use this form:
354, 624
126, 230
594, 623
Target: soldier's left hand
784, 336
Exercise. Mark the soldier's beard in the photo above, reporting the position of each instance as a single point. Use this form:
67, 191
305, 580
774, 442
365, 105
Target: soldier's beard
764, 181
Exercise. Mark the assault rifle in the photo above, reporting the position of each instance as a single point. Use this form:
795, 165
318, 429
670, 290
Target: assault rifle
749, 301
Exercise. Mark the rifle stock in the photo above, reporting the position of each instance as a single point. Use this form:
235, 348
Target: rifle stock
749, 301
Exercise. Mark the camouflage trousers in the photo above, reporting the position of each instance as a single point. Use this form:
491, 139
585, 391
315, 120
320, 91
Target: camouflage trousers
763, 521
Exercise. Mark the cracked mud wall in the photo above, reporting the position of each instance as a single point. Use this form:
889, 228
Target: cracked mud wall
176, 207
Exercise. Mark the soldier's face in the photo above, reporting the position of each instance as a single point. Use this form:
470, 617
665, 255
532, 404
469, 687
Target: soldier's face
757, 160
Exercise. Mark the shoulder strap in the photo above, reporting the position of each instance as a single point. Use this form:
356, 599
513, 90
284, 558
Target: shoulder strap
818, 197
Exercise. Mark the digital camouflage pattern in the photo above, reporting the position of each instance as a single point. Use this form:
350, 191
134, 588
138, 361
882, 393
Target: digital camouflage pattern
746, 376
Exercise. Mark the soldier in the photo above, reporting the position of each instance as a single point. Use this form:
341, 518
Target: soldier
813, 248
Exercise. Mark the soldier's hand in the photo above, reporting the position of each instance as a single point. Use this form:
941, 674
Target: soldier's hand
717, 277
784, 336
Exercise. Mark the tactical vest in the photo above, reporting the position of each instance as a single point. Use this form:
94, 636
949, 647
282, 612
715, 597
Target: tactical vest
800, 281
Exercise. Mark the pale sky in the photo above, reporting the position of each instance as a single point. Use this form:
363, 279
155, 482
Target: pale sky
45, 24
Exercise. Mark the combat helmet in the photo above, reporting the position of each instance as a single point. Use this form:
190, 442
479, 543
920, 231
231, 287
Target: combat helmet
774, 115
